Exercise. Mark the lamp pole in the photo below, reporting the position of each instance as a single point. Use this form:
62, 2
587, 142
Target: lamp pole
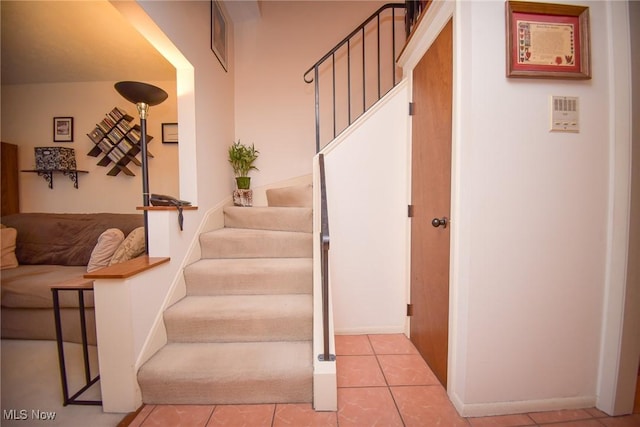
143, 95
143, 110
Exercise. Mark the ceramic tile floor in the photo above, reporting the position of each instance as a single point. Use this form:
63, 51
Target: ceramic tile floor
382, 381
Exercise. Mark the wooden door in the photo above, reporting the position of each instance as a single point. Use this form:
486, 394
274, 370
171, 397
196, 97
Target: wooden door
431, 199
9, 179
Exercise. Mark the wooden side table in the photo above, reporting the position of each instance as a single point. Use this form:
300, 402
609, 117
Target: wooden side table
81, 285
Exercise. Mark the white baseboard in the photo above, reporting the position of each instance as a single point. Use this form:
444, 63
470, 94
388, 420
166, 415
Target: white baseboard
521, 407
371, 330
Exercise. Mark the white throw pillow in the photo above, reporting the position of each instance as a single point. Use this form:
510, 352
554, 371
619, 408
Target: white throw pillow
108, 242
131, 247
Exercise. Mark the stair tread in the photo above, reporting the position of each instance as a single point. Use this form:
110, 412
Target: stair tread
268, 210
269, 218
214, 361
229, 373
292, 195
215, 276
231, 242
250, 265
240, 318
250, 232
242, 306
282, 209
249, 276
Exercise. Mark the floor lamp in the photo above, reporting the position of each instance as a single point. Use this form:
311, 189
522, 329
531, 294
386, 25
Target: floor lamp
143, 95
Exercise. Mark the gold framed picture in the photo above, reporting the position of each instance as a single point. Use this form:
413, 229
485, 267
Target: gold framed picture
219, 33
547, 40
63, 129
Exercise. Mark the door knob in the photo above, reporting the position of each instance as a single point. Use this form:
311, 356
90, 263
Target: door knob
440, 222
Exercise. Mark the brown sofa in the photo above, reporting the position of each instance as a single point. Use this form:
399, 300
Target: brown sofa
51, 249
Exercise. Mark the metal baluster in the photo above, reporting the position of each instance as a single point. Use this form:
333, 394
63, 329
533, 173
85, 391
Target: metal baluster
364, 76
393, 45
333, 60
317, 89
349, 79
379, 70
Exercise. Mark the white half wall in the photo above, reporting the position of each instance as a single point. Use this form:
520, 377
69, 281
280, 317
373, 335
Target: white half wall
367, 187
206, 99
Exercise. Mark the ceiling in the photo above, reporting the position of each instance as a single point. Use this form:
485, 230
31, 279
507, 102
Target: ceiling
74, 41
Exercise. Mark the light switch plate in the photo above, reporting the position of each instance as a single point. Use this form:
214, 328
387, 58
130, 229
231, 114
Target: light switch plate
565, 114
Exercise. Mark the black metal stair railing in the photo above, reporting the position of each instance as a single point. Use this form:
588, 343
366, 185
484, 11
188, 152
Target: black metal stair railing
413, 10
354, 52
326, 355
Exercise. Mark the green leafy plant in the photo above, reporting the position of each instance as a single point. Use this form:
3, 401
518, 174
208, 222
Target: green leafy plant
242, 157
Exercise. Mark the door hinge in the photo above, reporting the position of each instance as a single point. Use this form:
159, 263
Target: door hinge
410, 211
411, 108
409, 310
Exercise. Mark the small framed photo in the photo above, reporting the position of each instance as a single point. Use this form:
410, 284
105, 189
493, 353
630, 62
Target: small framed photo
547, 40
219, 33
63, 129
169, 133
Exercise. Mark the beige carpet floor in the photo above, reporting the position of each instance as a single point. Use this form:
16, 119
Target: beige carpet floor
30, 380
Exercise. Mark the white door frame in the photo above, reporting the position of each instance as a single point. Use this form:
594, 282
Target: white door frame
620, 346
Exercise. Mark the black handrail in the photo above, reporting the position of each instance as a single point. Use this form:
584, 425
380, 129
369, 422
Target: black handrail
332, 54
412, 12
326, 355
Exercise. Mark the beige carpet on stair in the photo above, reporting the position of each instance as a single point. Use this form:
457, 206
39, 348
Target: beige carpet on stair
241, 318
242, 334
269, 218
31, 382
252, 276
242, 370
250, 243
293, 196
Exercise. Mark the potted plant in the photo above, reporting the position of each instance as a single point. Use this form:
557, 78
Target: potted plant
241, 158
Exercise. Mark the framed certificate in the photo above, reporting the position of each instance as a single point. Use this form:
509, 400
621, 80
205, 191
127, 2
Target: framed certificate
547, 40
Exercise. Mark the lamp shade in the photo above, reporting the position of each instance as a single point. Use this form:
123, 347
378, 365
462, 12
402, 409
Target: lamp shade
136, 92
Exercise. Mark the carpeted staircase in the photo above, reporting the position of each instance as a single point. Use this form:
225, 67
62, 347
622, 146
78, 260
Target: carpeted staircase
243, 332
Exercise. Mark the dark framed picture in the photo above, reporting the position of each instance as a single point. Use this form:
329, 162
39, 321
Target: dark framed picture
169, 133
219, 33
547, 40
63, 129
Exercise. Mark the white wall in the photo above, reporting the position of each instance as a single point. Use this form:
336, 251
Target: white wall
367, 188
181, 31
274, 106
27, 121
271, 105
621, 346
530, 216
631, 340
530, 207
212, 102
